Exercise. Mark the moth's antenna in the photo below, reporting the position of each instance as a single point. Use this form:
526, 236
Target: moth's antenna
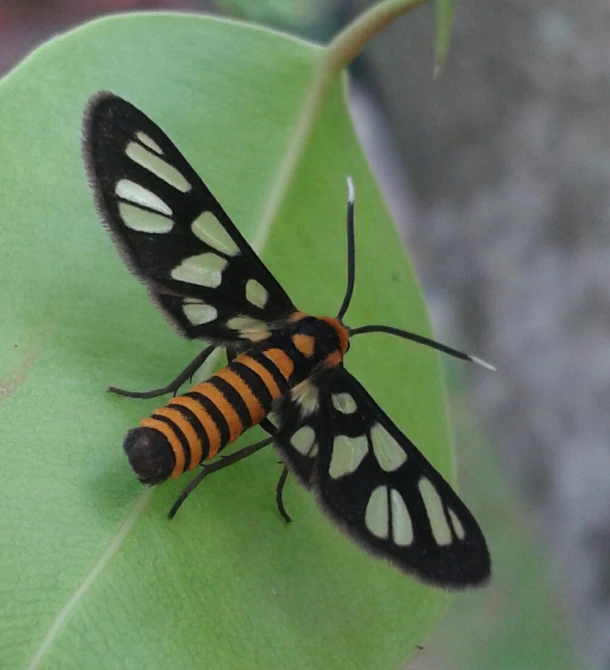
351, 277
351, 251
406, 335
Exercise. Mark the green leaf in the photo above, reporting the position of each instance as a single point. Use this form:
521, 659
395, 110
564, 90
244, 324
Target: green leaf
444, 24
93, 575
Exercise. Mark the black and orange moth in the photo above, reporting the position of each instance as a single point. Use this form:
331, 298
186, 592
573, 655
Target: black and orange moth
366, 475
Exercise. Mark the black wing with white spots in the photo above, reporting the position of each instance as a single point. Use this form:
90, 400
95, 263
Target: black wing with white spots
299, 427
372, 481
171, 231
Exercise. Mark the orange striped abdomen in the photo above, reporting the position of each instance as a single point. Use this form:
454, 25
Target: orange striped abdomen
195, 426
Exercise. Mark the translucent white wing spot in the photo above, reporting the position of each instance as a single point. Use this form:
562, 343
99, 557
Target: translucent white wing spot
249, 328
390, 455
304, 441
344, 403
402, 526
149, 142
436, 512
209, 230
376, 516
203, 270
129, 190
457, 525
153, 163
143, 220
256, 293
348, 453
199, 313
305, 395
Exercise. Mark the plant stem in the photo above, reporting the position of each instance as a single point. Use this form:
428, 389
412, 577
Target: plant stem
353, 38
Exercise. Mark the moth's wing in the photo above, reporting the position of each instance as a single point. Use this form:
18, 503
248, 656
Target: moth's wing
299, 427
379, 489
172, 233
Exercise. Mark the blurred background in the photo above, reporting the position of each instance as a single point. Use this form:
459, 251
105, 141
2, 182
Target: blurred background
497, 175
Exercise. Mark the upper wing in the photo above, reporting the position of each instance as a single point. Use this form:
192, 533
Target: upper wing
171, 231
377, 486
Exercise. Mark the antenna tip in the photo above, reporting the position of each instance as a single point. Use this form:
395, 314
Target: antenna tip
480, 361
350, 191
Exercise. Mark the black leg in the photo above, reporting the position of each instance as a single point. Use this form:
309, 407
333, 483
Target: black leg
213, 467
279, 491
268, 427
175, 384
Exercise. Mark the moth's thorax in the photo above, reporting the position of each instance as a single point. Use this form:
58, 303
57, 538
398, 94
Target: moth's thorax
322, 340
341, 331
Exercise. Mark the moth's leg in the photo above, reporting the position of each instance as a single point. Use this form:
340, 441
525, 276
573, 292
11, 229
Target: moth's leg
279, 492
268, 427
214, 467
175, 384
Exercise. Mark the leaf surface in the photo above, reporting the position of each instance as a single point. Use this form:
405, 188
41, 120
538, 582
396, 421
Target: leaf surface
92, 574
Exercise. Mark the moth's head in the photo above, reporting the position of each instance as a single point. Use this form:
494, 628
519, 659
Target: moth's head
150, 455
321, 339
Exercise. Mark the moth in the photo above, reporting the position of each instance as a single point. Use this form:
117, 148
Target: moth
366, 475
